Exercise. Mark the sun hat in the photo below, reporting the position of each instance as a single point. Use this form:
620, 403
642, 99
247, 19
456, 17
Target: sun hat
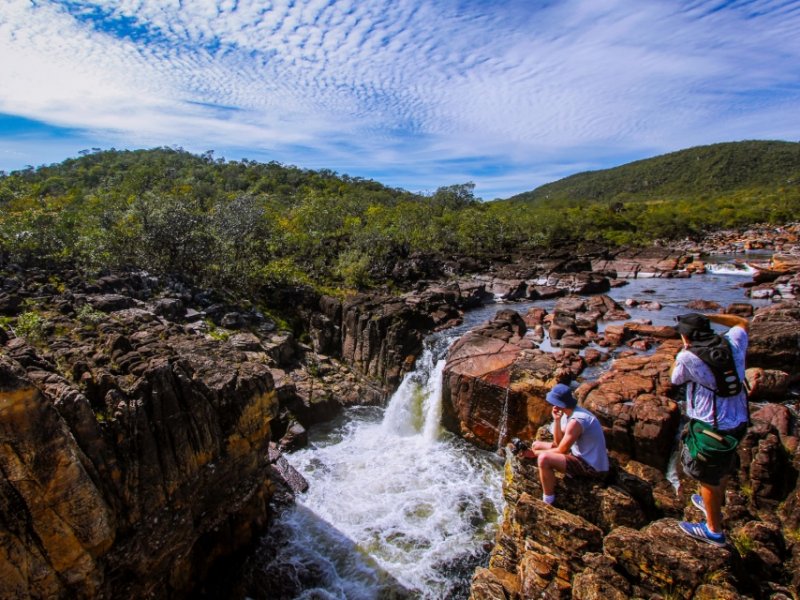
561, 396
694, 326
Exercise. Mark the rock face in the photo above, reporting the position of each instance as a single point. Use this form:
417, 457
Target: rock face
131, 462
495, 382
774, 335
619, 538
135, 448
380, 337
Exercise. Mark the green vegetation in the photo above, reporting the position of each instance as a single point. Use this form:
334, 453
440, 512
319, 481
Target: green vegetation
743, 543
243, 225
90, 316
31, 326
704, 172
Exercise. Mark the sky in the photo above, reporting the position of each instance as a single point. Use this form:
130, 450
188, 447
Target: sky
416, 94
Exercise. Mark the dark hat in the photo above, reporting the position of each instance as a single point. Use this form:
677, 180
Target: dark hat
694, 326
561, 396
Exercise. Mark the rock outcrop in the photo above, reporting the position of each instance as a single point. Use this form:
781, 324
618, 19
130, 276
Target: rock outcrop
133, 458
619, 538
495, 382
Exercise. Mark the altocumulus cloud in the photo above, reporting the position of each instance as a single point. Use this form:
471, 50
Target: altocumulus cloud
416, 93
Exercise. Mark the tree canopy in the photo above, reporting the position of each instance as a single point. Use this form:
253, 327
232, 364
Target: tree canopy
244, 224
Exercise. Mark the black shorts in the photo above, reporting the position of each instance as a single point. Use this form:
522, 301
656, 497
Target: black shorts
704, 473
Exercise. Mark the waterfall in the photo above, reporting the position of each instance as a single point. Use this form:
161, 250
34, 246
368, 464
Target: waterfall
394, 501
503, 428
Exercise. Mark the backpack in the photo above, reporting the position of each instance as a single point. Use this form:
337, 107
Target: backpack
718, 355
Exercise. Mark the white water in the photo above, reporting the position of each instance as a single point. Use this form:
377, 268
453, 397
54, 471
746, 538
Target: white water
736, 269
399, 508
393, 499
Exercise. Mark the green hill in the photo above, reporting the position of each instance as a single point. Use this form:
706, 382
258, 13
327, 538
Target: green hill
700, 171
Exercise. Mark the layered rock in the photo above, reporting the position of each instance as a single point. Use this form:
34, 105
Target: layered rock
635, 511
140, 474
632, 403
774, 334
646, 262
495, 382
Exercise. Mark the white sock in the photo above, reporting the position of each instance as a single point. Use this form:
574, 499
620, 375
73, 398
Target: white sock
548, 498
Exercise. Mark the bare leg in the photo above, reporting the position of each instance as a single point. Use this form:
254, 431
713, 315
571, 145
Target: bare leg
549, 463
712, 499
536, 449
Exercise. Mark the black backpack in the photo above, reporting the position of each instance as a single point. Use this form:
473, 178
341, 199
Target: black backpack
718, 355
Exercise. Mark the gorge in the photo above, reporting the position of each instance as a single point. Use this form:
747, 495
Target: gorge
144, 423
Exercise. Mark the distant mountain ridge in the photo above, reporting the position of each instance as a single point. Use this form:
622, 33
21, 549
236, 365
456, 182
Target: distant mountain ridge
709, 170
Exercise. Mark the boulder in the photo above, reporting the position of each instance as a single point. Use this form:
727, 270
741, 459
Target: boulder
632, 403
703, 305
775, 338
661, 557
493, 386
767, 384
645, 262
109, 302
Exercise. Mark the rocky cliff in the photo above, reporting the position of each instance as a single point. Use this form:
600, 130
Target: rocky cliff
619, 538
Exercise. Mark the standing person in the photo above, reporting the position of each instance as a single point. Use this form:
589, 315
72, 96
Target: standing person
712, 366
578, 447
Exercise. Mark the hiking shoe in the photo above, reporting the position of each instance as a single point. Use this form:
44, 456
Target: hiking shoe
700, 531
697, 500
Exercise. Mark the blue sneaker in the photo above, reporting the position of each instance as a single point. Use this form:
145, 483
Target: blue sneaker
697, 500
700, 531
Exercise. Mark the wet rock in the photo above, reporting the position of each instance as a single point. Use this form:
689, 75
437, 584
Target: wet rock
703, 305
580, 283
647, 262
741, 309
296, 437
285, 474
378, 335
544, 292
493, 387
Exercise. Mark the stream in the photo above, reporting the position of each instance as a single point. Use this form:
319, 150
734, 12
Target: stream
400, 508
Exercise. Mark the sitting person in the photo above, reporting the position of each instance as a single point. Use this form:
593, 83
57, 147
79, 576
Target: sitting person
578, 447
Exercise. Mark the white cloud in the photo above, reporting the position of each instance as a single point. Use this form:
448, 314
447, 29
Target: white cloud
372, 84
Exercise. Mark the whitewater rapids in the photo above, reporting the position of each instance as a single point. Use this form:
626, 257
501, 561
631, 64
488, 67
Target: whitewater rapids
395, 503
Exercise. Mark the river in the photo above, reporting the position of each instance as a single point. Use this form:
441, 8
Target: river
399, 508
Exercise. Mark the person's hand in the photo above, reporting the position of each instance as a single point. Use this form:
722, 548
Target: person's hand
557, 412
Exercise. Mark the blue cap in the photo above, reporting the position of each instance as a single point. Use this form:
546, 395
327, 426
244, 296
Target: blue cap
561, 396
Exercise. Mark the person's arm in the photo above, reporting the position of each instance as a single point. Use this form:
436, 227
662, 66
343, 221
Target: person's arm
558, 434
571, 434
679, 374
729, 320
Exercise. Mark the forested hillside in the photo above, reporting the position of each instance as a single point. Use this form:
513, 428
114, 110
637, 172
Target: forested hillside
242, 224
701, 171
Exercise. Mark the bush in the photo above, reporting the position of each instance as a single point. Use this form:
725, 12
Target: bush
31, 326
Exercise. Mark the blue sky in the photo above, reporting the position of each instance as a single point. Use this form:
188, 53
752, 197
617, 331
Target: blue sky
413, 93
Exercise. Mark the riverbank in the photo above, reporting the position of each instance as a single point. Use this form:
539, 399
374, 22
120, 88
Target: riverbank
144, 420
